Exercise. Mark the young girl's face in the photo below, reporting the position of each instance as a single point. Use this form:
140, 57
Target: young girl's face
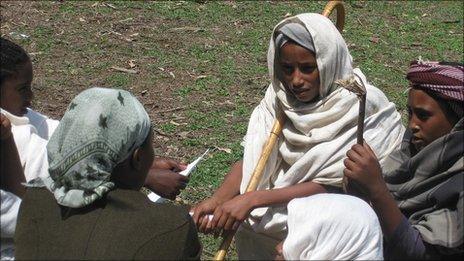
16, 92
427, 120
299, 72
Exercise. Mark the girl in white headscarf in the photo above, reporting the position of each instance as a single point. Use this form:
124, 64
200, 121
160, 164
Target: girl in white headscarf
346, 229
306, 56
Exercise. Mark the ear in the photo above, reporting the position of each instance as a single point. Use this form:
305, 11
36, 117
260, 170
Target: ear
136, 161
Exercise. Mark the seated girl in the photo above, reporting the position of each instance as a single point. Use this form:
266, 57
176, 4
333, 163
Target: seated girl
306, 55
90, 206
419, 200
31, 130
24, 141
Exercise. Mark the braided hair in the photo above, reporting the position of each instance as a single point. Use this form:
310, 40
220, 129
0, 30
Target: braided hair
12, 56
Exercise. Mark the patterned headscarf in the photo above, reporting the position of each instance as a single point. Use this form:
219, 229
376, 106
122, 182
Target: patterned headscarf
101, 128
444, 80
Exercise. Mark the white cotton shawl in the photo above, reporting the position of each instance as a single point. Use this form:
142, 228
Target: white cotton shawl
9, 214
332, 227
31, 133
316, 135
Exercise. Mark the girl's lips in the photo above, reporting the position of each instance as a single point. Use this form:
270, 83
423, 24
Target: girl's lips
301, 94
300, 91
24, 107
418, 142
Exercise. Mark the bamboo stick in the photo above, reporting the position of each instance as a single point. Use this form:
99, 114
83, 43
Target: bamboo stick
254, 180
258, 172
275, 132
338, 5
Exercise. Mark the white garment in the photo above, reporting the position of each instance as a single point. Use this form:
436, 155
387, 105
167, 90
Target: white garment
9, 213
317, 135
332, 227
31, 134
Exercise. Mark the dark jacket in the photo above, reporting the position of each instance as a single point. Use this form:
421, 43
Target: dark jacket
124, 225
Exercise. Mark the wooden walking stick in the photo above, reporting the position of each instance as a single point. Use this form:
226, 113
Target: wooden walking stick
355, 85
338, 5
275, 132
255, 178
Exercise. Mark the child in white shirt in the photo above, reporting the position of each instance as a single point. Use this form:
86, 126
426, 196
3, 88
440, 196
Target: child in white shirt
30, 130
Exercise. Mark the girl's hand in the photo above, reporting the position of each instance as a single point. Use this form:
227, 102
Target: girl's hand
5, 127
231, 213
201, 212
165, 183
169, 164
163, 179
363, 167
279, 251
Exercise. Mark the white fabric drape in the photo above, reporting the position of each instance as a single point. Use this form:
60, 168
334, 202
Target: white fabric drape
317, 135
9, 214
31, 133
332, 227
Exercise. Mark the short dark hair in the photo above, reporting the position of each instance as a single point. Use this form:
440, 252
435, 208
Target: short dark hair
11, 57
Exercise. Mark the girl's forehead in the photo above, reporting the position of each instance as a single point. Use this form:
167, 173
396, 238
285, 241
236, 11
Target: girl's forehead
420, 99
295, 51
24, 72
418, 96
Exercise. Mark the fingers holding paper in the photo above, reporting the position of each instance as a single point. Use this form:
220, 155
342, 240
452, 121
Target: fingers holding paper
168, 163
165, 183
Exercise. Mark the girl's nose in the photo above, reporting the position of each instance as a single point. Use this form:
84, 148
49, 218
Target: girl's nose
28, 95
297, 80
412, 125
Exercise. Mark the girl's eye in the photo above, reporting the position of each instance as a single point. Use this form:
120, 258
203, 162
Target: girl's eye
288, 69
422, 115
307, 69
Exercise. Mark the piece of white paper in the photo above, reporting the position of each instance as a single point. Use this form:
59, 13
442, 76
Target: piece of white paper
210, 216
192, 166
186, 172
